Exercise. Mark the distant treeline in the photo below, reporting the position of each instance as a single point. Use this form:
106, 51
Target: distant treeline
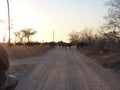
107, 37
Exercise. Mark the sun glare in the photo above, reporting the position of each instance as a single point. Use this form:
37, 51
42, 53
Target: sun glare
44, 16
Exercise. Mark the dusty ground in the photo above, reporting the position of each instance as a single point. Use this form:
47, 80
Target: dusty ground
61, 69
19, 53
109, 60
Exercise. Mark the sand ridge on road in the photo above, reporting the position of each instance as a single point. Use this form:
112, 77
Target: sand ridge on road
61, 69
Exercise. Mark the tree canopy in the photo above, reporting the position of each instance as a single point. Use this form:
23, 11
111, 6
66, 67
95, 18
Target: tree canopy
25, 34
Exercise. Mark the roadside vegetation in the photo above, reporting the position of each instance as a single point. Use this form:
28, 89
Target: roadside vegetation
18, 52
104, 44
24, 46
23, 52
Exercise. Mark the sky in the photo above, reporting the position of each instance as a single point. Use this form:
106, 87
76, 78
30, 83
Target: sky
46, 16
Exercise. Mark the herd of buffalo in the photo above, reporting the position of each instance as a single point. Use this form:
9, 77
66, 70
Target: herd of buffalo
69, 45
60, 44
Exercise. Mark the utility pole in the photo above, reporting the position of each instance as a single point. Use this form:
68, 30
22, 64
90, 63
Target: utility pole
8, 7
53, 36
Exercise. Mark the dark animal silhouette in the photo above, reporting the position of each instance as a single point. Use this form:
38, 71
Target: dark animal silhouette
65, 45
81, 44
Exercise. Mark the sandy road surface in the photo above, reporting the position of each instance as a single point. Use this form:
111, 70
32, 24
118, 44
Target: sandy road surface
62, 69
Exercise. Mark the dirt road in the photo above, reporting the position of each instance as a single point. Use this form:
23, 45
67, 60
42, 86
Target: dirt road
62, 69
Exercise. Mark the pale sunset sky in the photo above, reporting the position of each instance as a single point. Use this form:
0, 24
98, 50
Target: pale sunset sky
44, 16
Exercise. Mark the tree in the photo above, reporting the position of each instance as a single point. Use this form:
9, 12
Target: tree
86, 35
23, 34
74, 37
28, 33
112, 25
18, 36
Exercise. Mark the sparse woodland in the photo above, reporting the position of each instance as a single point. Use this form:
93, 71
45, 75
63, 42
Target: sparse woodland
105, 42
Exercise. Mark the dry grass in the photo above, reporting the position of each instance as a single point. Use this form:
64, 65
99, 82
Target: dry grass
18, 52
110, 60
107, 60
